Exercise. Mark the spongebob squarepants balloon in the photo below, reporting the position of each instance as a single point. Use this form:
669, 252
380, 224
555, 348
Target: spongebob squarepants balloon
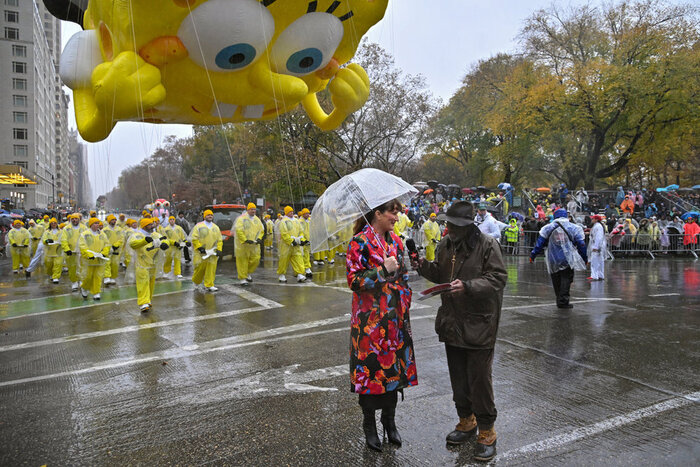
215, 61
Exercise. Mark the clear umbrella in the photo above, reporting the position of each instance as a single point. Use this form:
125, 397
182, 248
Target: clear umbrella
350, 198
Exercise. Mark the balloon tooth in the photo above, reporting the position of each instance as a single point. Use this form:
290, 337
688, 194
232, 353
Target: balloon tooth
223, 110
253, 111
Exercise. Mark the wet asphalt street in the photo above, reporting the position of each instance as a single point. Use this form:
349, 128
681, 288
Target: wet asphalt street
258, 375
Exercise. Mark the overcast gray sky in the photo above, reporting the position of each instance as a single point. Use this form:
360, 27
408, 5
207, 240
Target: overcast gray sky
440, 39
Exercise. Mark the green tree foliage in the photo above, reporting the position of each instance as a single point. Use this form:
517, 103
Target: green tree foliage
594, 89
622, 74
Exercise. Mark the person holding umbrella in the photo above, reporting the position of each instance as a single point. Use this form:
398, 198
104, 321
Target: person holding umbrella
381, 351
381, 355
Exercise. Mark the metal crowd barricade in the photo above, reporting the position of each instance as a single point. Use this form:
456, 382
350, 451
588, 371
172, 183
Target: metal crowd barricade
617, 245
644, 244
631, 245
673, 245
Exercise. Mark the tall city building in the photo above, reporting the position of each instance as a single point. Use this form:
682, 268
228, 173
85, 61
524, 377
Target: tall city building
33, 107
79, 161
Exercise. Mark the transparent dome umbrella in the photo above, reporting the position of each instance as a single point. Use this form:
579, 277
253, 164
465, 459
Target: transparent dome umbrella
350, 198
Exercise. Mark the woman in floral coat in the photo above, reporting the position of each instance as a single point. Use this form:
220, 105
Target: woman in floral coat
381, 351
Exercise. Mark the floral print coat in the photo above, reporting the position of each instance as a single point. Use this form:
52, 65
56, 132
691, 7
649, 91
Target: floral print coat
381, 345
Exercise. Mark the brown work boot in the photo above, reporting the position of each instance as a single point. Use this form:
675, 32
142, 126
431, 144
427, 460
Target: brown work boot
464, 431
485, 449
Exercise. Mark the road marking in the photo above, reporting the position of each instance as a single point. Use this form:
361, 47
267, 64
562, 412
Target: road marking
105, 290
575, 302
664, 295
600, 427
126, 329
262, 302
91, 305
229, 343
272, 382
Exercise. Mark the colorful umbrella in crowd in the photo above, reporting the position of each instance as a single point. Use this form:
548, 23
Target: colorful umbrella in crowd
696, 187
673, 187
428, 191
542, 189
688, 214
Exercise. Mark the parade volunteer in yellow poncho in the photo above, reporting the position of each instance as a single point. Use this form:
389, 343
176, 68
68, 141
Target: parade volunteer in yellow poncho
249, 233
18, 238
115, 235
402, 225
207, 243
431, 232
69, 243
306, 246
131, 227
94, 254
177, 239
53, 253
36, 231
269, 232
147, 244
290, 247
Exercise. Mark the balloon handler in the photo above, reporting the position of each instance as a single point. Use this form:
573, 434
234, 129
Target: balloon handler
208, 243
147, 243
94, 254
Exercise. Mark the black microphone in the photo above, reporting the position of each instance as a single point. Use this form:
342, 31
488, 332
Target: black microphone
412, 250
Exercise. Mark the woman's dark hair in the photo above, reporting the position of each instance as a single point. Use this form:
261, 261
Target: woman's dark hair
360, 223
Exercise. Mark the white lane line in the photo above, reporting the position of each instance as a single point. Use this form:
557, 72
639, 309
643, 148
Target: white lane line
586, 300
600, 427
252, 297
123, 286
232, 342
246, 340
140, 327
664, 295
91, 305
264, 304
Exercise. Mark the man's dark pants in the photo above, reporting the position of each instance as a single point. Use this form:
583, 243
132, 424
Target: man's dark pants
561, 280
472, 384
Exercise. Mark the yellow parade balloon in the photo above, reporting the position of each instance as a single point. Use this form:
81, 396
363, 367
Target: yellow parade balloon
209, 62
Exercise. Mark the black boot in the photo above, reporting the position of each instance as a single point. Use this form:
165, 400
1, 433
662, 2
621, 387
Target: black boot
464, 431
369, 425
485, 448
389, 425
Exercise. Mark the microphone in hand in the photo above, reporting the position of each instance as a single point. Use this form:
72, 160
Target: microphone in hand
413, 253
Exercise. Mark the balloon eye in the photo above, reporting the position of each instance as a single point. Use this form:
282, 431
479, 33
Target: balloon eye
235, 56
305, 61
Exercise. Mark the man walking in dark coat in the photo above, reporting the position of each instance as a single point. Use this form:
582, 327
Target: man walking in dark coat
467, 322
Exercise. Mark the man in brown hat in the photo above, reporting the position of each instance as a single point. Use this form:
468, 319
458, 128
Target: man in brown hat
467, 322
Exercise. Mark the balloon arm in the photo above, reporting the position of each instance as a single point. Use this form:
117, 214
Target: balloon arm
317, 115
90, 120
349, 90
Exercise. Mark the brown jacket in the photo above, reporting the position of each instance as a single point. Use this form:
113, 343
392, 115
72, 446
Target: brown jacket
469, 319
